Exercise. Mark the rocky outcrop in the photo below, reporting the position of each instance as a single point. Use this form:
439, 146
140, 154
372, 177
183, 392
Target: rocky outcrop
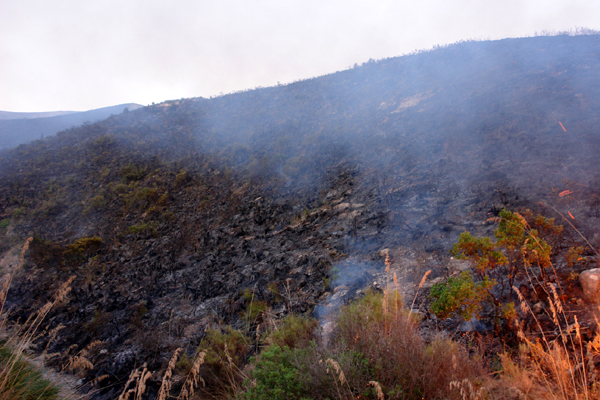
590, 283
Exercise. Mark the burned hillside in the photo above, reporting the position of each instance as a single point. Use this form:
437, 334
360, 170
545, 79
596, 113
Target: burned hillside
168, 215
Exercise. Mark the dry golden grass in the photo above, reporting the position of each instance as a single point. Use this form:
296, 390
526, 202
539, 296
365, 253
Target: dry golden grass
378, 390
338, 376
193, 378
561, 367
405, 366
137, 381
165, 386
81, 360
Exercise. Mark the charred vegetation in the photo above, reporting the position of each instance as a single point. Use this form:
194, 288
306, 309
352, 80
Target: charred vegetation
191, 215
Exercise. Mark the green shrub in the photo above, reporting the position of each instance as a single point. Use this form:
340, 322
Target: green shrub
97, 202
82, 248
145, 195
139, 197
295, 331
163, 200
184, 364
519, 245
182, 178
459, 295
254, 310
275, 377
481, 252
225, 354
274, 290
21, 381
4, 223
132, 172
145, 229
168, 216
574, 255
254, 307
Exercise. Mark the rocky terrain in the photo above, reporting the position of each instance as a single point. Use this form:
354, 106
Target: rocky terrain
190, 214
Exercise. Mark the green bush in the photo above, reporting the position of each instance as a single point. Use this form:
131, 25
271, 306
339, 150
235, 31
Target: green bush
132, 172
481, 252
254, 310
21, 381
182, 178
144, 229
83, 247
459, 295
254, 307
97, 202
225, 354
519, 245
275, 377
295, 331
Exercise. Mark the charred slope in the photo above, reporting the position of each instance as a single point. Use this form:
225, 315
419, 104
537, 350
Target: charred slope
197, 200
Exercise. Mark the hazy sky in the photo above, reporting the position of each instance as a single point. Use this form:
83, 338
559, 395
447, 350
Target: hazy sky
84, 54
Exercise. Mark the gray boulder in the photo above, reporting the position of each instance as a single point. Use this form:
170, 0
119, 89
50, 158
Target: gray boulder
590, 283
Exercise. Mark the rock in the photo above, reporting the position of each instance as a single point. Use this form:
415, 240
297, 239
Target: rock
538, 308
473, 325
430, 282
338, 295
459, 265
342, 206
590, 283
341, 288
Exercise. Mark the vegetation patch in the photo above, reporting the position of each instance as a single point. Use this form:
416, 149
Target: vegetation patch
19, 380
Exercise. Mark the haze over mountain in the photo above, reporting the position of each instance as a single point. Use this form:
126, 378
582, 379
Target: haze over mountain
23, 127
30, 115
296, 189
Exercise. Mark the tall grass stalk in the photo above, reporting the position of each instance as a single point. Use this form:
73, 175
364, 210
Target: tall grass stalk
557, 368
17, 378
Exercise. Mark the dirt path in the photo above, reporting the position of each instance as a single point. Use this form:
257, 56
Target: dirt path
67, 384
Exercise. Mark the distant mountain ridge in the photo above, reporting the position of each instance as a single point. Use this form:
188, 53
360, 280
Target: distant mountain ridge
30, 115
22, 127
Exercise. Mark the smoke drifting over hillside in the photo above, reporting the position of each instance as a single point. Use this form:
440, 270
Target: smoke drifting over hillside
297, 190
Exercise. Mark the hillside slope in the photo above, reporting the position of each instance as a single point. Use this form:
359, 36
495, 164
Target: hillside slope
296, 189
19, 128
